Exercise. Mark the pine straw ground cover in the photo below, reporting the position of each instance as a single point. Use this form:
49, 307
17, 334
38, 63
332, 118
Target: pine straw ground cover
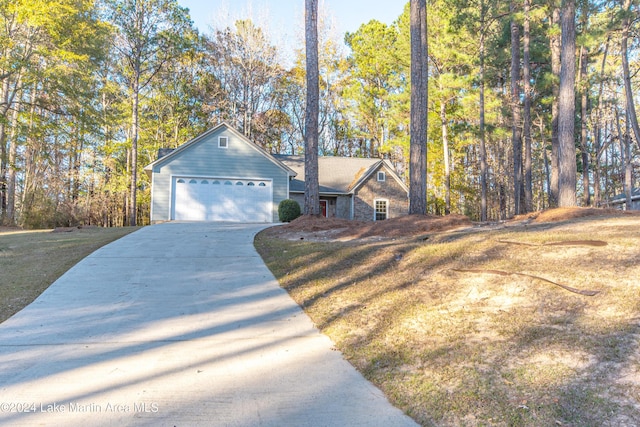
32, 260
469, 326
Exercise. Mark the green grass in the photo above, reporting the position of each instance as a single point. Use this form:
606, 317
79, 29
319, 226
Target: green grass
457, 348
30, 261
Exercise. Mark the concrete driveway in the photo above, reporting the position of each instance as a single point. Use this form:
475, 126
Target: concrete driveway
177, 324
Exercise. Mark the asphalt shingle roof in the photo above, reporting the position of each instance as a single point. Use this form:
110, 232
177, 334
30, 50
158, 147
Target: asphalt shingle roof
336, 175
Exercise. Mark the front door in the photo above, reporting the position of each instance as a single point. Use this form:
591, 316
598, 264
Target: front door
323, 208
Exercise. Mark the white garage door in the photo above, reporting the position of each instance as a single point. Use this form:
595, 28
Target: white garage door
239, 200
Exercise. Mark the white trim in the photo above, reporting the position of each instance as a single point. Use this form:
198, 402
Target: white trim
389, 170
226, 141
210, 132
352, 214
153, 187
381, 176
326, 204
375, 209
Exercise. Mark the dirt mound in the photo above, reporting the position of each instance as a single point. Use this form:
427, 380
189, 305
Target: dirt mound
407, 226
564, 214
309, 223
320, 228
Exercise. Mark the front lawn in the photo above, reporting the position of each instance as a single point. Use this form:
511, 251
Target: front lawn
30, 261
473, 327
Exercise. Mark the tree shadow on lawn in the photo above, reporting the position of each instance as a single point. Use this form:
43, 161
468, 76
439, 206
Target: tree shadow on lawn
539, 364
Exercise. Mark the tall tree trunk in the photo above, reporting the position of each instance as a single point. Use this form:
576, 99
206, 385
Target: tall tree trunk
134, 152
419, 103
483, 145
598, 130
628, 167
566, 109
555, 42
3, 171
526, 77
584, 100
631, 108
312, 189
625, 156
30, 156
445, 149
516, 136
12, 169
6, 101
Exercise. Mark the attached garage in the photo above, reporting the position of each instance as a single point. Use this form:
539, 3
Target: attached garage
220, 199
218, 176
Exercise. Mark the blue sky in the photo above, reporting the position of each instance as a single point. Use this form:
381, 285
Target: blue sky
285, 16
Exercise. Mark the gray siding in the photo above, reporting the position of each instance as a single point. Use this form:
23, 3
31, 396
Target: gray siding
203, 158
343, 207
298, 198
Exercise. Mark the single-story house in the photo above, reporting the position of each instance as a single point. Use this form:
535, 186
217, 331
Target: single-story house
352, 188
223, 176
620, 201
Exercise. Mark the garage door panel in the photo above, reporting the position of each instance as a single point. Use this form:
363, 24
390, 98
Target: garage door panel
238, 200
188, 206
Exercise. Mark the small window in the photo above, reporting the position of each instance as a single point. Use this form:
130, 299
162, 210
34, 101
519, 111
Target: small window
228, 183
193, 181
239, 183
216, 182
180, 181
223, 142
262, 184
381, 210
251, 184
204, 181
382, 176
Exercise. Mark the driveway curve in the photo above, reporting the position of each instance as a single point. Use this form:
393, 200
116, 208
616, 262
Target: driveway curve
177, 324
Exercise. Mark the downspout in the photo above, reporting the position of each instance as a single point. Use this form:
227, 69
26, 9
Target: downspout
353, 205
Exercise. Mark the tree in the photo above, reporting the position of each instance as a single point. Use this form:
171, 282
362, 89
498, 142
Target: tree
419, 103
631, 109
46, 47
374, 80
566, 109
516, 135
149, 35
555, 45
526, 77
311, 186
245, 62
583, 87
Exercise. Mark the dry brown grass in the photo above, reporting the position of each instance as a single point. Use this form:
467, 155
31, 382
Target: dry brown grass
31, 260
476, 348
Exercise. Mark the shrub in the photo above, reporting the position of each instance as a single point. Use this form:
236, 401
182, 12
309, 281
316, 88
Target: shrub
288, 210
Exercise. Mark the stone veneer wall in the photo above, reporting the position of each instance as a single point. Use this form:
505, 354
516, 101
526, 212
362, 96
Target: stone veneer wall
373, 189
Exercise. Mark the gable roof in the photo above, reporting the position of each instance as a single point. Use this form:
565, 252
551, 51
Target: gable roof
336, 175
165, 155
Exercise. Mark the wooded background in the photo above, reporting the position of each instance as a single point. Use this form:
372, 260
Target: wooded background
90, 90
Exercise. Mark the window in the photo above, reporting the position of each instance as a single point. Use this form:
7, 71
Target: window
382, 176
381, 210
239, 183
223, 142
